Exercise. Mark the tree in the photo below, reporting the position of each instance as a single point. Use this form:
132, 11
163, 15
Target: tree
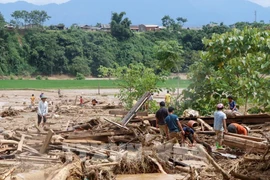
236, 63
181, 21
2, 21
168, 22
120, 28
134, 80
169, 55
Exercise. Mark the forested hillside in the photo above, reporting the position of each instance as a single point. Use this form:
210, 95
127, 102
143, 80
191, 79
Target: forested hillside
42, 51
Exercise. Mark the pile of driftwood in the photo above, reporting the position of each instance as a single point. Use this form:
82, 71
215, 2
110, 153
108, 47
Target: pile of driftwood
10, 112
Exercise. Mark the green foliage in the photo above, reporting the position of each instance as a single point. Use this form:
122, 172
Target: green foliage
23, 18
80, 76
120, 27
235, 63
39, 77
2, 21
11, 77
135, 80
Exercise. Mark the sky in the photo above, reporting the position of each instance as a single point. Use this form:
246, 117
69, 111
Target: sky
37, 2
265, 3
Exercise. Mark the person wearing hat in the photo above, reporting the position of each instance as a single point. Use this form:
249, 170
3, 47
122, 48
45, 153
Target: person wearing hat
238, 129
161, 114
42, 110
220, 125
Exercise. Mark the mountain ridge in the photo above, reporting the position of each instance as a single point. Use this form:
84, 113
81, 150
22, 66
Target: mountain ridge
198, 12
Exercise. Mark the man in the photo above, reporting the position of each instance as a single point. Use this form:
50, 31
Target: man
81, 101
168, 99
232, 104
161, 114
32, 100
42, 110
238, 129
174, 126
190, 134
220, 125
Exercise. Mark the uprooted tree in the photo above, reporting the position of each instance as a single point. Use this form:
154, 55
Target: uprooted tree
134, 81
236, 63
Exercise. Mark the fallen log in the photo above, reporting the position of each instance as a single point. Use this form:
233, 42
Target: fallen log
70, 170
101, 165
83, 141
243, 177
244, 144
212, 161
46, 142
247, 137
158, 165
205, 124
116, 124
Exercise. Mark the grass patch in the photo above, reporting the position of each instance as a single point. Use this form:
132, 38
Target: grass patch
75, 84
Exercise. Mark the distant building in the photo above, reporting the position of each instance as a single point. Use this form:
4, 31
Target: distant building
144, 27
134, 28
105, 27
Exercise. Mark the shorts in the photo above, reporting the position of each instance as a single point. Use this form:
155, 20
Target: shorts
232, 129
40, 119
162, 129
176, 135
219, 135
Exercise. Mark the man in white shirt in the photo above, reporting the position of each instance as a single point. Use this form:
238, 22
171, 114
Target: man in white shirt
42, 110
220, 125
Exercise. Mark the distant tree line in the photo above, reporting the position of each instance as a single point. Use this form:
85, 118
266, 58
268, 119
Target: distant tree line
72, 51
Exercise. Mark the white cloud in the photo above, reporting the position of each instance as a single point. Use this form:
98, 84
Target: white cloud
265, 3
37, 2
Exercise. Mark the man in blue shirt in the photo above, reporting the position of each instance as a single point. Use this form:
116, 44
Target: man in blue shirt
173, 125
220, 125
232, 103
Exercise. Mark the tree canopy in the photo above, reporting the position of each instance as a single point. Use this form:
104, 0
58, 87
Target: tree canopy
235, 63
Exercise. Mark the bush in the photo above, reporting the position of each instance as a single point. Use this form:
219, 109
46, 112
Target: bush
46, 78
12, 77
80, 76
39, 77
20, 78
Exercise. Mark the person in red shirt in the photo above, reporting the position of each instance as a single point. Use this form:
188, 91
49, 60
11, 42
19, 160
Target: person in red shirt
238, 129
81, 101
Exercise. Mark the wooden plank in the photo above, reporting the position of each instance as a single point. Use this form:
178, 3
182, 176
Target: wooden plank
20, 145
114, 123
135, 108
46, 142
123, 113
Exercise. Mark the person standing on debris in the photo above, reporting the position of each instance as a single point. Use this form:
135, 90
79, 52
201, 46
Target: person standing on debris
81, 101
168, 99
161, 114
232, 104
174, 126
59, 93
42, 110
238, 129
220, 125
33, 100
